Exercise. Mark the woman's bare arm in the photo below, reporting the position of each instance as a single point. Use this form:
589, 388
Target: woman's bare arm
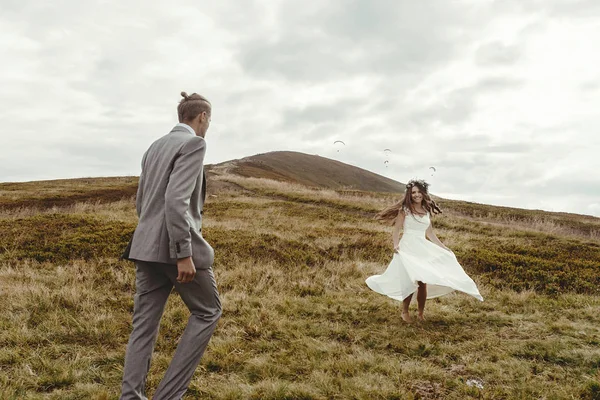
398, 224
431, 236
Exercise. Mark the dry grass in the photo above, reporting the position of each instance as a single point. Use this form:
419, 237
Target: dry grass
351, 200
299, 322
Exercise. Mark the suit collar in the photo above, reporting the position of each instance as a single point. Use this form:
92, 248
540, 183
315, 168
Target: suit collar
181, 127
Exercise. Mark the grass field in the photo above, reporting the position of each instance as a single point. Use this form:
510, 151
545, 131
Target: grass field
298, 320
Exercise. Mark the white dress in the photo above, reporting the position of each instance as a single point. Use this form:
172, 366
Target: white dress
421, 260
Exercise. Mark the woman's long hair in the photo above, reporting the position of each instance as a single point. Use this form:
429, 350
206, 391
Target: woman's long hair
389, 214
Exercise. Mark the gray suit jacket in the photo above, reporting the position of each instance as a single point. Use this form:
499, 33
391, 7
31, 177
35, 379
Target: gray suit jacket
169, 202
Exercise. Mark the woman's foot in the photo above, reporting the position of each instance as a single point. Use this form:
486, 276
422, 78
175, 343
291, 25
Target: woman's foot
420, 317
406, 317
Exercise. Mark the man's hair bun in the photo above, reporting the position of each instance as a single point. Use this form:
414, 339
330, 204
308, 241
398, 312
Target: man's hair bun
191, 105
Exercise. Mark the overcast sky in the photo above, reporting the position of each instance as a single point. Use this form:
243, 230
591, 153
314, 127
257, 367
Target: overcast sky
501, 97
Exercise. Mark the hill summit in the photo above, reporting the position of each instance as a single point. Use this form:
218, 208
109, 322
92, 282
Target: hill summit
309, 170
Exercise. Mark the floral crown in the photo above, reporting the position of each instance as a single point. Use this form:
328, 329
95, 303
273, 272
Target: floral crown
417, 182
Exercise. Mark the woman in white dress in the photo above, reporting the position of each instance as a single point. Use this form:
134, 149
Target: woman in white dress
419, 265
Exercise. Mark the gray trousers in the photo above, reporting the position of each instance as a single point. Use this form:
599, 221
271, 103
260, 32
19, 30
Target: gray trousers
154, 282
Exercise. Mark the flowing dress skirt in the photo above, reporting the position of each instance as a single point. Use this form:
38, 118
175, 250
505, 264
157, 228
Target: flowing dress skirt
421, 260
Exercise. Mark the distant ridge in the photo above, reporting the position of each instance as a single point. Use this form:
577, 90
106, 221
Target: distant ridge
309, 170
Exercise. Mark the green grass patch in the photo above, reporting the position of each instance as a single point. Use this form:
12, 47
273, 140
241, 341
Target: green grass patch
62, 237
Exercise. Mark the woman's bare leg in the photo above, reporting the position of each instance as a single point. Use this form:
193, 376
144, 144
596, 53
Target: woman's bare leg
405, 304
421, 298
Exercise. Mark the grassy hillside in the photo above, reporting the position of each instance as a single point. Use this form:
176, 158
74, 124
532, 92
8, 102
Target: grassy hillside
299, 322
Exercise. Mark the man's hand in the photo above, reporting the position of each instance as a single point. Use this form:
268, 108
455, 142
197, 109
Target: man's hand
186, 270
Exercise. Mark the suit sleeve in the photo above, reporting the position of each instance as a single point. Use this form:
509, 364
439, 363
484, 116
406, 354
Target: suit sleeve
186, 170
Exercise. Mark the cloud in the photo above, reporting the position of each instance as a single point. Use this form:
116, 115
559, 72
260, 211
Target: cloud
338, 39
319, 114
496, 53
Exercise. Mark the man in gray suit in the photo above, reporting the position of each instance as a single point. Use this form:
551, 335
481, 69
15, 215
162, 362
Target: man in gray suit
169, 251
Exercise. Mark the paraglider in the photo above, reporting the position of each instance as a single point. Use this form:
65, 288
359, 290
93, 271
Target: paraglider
338, 141
434, 170
387, 153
